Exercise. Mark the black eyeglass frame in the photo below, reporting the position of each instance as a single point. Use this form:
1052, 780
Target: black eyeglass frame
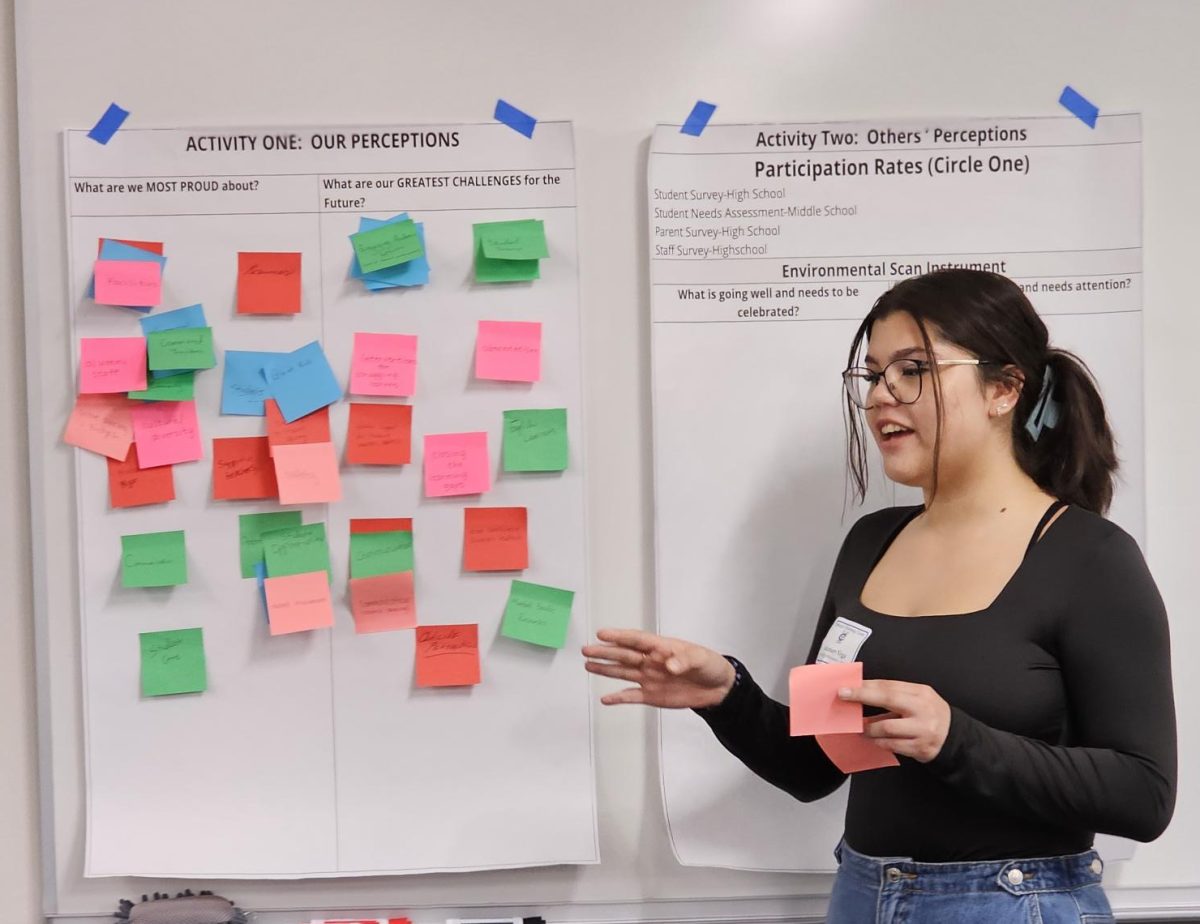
923, 365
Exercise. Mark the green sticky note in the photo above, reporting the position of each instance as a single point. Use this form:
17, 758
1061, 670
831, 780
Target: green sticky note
169, 388
537, 614
535, 440
251, 527
387, 245
513, 240
153, 559
296, 550
180, 348
173, 662
372, 554
501, 269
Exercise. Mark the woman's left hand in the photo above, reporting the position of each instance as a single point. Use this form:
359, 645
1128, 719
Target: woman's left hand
917, 722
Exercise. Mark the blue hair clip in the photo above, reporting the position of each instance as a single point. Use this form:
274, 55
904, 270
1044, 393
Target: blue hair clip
1046, 411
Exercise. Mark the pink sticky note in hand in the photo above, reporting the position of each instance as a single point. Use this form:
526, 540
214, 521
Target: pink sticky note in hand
128, 283
101, 424
853, 753
383, 364
307, 473
509, 351
298, 602
166, 432
456, 463
110, 365
815, 707
383, 602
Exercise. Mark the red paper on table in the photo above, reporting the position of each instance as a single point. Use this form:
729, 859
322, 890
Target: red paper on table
447, 656
379, 434
298, 602
102, 424
312, 428
383, 602
242, 469
495, 539
853, 753
307, 473
815, 707
130, 486
380, 525
268, 283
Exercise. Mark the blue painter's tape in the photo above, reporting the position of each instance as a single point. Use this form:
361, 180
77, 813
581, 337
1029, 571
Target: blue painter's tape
114, 117
1079, 107
698, 120
514, 118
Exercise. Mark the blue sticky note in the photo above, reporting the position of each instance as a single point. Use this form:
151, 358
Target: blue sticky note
191, 316
301, 381
115, 250
114, 117
697, 121
514, 118
413, 273
243, 387
1079, 107
260, 572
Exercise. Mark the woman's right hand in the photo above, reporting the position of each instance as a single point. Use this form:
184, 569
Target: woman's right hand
669, 672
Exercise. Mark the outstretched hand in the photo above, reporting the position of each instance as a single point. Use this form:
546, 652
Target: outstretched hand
667, 672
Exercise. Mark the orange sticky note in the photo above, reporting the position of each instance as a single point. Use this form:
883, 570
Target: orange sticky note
456, 463
383, 602
509, 351
383, 364
447, 656
495, 539
307, 473
311, 428
242, 469
101, 424
298, 602
815, 707
129, 283
130, 486
268, 283
380, 525
108, 365
379, 434
853, 753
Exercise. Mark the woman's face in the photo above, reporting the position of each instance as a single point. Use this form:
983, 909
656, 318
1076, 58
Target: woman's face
906, 433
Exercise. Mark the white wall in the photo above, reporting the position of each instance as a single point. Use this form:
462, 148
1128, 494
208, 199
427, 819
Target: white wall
18, 746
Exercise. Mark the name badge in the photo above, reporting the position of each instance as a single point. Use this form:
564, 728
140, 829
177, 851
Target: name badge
842, 642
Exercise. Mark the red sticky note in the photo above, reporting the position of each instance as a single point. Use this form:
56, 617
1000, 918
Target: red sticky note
853, 753
131, 486
242, 469
128, 283
509, 351
379, 434
447, 656
311, 428
152, 246
815, 707
383, 364
383, 602
495, 539
108, 365
307, 473
456, 463
101, 424
380, 525
166, 432
268, 283
298, 602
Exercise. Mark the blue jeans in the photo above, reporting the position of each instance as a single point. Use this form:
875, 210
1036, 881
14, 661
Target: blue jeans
892, 890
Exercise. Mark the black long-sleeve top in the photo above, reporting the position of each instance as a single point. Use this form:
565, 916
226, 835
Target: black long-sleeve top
1062, 716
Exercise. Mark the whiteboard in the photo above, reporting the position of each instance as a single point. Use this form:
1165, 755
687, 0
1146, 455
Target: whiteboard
615, 70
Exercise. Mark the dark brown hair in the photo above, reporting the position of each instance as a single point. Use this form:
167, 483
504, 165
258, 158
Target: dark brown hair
989, 316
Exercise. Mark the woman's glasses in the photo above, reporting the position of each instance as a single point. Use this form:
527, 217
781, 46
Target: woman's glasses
903, 378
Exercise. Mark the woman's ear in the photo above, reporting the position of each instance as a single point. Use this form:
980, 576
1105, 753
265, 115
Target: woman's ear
1006, 390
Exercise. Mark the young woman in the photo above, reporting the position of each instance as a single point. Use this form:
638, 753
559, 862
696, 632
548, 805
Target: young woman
1016, 646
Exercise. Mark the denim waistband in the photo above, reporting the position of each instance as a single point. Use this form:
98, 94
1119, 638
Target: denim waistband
1033, 874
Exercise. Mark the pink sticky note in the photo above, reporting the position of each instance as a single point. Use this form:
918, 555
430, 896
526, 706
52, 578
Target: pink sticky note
102, 424
108, 365
456, 463
509, 351
132, 283
815, 707
383, 602
298, 602
853, 753
383, 364
166, 432
307, 473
